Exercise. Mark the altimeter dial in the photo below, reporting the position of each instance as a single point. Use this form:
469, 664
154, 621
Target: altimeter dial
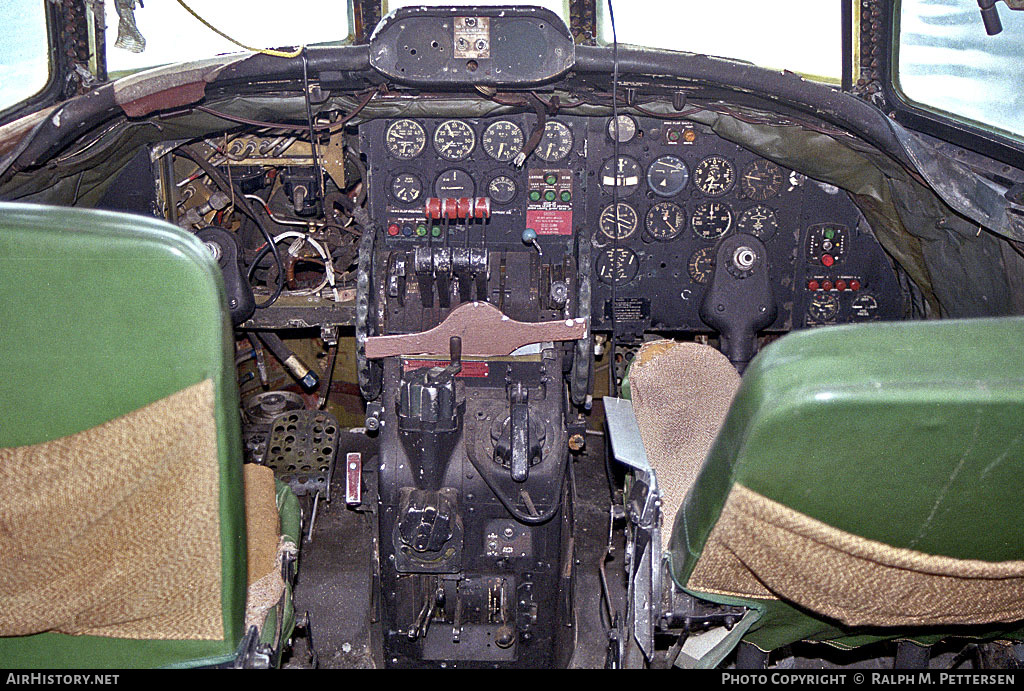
665, 220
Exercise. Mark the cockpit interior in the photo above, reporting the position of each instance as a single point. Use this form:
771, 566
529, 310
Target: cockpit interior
479, 340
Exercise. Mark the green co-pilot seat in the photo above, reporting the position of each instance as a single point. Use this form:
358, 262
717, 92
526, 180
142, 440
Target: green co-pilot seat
865, 482
128, 536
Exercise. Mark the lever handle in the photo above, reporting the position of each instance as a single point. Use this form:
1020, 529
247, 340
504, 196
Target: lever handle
519, 424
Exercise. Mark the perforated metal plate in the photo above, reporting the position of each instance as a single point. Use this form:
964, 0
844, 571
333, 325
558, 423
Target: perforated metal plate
301, 450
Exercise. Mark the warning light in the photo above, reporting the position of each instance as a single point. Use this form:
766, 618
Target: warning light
689, 136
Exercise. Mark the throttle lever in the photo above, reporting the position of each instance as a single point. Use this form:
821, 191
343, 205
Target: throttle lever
454, 366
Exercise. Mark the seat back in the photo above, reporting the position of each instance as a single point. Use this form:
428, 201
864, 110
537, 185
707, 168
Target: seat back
121, 491
864, 485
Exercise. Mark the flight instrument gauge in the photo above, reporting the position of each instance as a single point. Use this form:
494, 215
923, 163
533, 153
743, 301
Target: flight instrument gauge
406, 187
405, 139
454, 140
714, 176
556, 142
711, 220
617, 265
623, 171
823, 307
502, 189
665, 220
760, 221
626, 129
761, 180
502, 140
701, 264
865, 307
667, 176
454, 183
618, 228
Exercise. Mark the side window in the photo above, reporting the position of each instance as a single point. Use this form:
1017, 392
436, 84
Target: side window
146, 34
946, 63
24, 51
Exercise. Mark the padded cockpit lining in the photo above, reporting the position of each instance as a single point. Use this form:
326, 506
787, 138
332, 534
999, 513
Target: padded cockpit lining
115, 531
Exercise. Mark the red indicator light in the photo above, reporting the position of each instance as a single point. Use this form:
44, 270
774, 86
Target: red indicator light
393, 229
827, 285
840, 284
828, 259
812, 285
854, 284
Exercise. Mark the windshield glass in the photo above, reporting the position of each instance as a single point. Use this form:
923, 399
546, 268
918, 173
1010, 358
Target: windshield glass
946, 62
158, 32
799, 35
24, 57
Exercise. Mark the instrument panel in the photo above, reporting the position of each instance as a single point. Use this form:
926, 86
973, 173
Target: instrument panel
650, 197
682, 189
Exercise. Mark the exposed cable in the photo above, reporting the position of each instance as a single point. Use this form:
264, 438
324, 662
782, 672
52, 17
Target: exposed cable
265, 51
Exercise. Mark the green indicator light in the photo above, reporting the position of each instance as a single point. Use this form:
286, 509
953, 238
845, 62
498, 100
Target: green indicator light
534, 196
673, 136
829, 233
421, 230
436, 231
551, 179
566, 196
550, 195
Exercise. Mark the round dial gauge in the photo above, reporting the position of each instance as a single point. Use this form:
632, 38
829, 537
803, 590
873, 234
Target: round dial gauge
502, 140
617, 265
700, 265
865, 307
454, 140
711, 220
454, 183
406, 187
759, 221
556, 142
502, 189
761, 180
665, 220
667, 176
622, 227
626, 129
714, 176
625, 170
823, 307
405, 139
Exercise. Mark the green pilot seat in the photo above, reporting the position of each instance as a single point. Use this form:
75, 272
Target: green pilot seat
130, 535
865, 482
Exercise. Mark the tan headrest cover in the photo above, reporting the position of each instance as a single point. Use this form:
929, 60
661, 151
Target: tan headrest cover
762, 549
115, 531
265, 548
681, 393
